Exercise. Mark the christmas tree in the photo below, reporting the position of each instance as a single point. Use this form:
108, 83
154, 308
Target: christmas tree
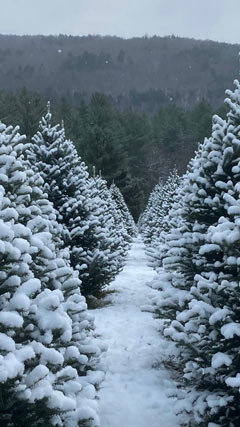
66, 182
126, 216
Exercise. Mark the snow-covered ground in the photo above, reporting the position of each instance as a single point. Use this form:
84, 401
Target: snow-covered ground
134, 393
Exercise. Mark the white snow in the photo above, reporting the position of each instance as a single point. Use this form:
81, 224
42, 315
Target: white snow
220, 359
6, 343
36, 375
134, 392
10, 367
233, 381
230, 329
10, 319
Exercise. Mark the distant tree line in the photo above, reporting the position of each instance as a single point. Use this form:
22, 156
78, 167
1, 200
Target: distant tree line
129, 148
145, 73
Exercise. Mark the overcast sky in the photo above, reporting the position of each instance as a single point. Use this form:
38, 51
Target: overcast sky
201, 19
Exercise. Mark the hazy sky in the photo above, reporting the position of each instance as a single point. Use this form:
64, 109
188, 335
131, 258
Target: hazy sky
201, 19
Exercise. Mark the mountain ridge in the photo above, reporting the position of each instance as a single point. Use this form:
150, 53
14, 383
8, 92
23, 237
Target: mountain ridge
144, 73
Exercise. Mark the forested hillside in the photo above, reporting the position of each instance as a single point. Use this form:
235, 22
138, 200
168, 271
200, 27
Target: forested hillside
145, 73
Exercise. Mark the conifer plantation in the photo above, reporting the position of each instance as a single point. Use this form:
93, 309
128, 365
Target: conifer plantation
65, 236
119, 214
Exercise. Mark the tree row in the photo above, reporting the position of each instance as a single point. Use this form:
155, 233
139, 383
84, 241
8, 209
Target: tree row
63, 235
193, 240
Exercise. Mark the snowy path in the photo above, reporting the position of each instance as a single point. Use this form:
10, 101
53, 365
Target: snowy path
133, 393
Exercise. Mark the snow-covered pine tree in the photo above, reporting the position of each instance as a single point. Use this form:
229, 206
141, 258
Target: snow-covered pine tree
66, 182
126, 216
163, 222
153, 221
118, 236
200, 285
171, 188
18, 290
53, 345
149, 217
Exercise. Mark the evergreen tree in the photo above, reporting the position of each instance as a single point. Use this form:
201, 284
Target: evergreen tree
201, 121
67, 185
138, 142
169, 127
153, 220
150, 216
101, 139
27, 108
126, 216
118, 237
